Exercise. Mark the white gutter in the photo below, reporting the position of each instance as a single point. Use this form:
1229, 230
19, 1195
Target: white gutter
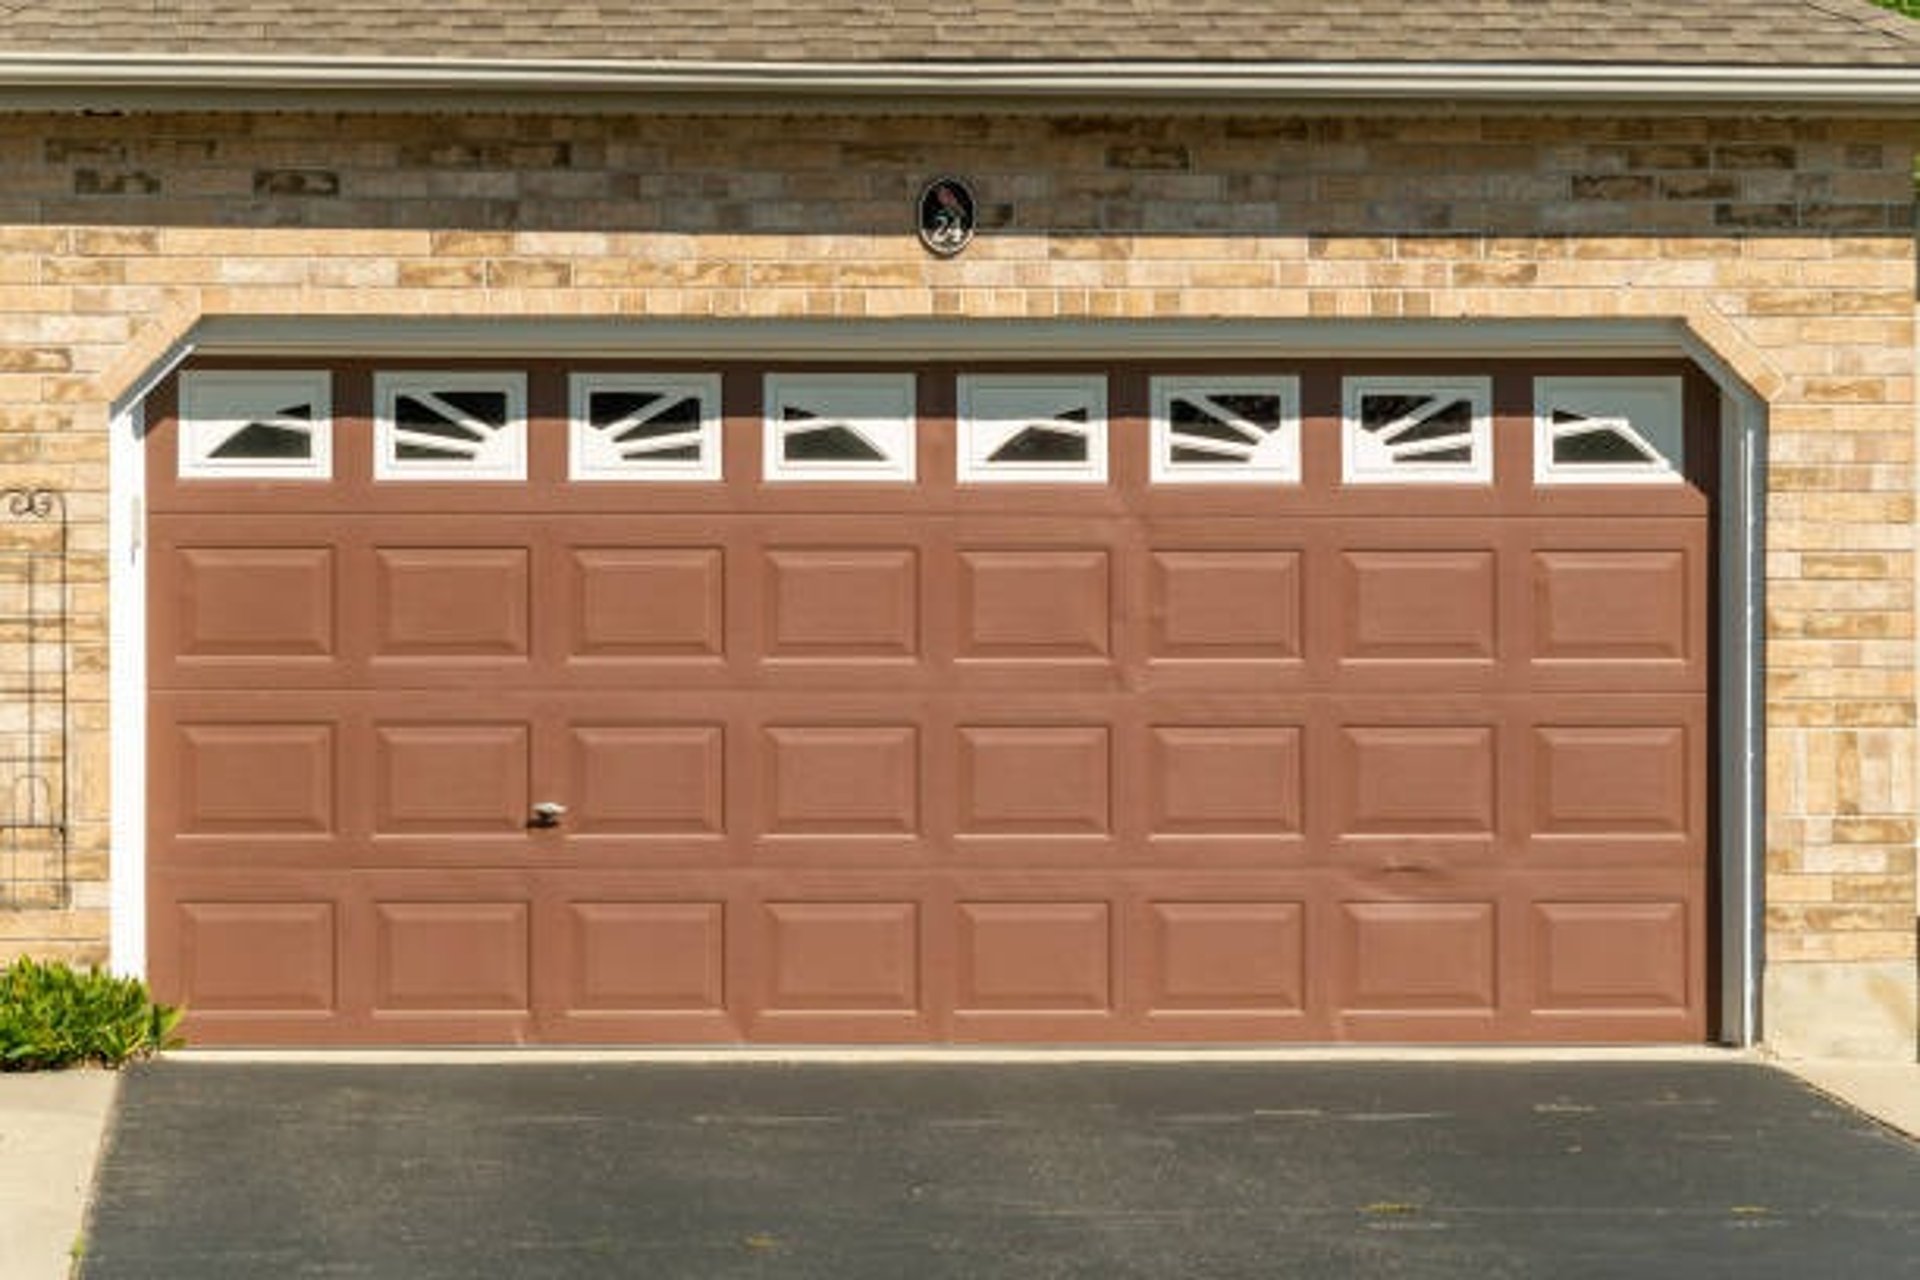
106, 76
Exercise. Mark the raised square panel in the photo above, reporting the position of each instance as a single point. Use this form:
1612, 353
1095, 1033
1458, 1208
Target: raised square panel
445, 956
666, 602
1610, 955
255, 779
1610, 779
1420, 955
451, 601
843, 603
1418, 780
1033, 604
1226, 604
646, 957
1227, 956
1034, 956
1418, 604
843, 956
451, 779
1610, 605
1226, 780
843, 781
649, 780
266, 956
1034, 781
256, 602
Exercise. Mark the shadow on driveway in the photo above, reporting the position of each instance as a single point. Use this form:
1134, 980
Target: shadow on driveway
918, 1172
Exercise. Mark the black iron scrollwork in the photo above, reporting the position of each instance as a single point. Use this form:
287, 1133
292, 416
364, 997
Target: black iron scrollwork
35, 735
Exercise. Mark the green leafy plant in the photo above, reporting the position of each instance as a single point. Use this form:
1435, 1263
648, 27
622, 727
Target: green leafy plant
53, 1016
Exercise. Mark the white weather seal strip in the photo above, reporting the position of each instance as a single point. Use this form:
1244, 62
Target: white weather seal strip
969, 1055
1518, 82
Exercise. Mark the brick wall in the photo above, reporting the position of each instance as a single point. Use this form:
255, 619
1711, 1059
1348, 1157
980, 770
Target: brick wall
1787, 245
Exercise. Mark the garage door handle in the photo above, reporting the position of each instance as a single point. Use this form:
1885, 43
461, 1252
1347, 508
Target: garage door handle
548, 814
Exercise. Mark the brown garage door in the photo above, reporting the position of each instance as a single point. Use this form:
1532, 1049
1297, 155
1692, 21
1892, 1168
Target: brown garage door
1208, 702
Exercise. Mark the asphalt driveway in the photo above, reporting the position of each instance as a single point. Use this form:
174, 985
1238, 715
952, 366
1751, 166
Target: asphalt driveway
913, 1172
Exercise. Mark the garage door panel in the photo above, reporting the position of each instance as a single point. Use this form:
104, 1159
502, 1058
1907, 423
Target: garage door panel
633, 607
1614, 781
1215, 610
1625, 611
249, 782
257, 602
859, 603
838, 970
889, 762
647, 780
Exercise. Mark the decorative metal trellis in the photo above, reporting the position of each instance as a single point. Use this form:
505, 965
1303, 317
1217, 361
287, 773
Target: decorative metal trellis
35, 660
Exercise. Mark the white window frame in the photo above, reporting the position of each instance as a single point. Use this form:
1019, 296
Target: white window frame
510, 460
988, 402
591, 456
881, 405
1655, 416
1283, 445
214, 403
1361, 455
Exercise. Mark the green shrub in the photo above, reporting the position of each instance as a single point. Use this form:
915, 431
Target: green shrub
53, 1015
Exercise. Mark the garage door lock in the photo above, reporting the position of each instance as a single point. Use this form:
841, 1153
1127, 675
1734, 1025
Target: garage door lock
547, 814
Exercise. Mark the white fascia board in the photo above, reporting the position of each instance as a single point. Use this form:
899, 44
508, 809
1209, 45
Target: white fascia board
114, 79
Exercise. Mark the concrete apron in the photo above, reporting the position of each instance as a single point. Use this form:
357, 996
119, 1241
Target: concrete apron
51, 1128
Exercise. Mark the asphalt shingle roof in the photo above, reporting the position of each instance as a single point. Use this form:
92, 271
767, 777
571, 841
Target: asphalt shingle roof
1784, 33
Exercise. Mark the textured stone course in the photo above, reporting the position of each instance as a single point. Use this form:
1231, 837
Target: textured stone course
117, 233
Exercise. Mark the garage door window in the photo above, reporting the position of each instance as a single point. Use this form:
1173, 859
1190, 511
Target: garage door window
256, 425
1021, 429
450, 426
1607, 431
839, 427
1418, 431
1226, 430
644, 427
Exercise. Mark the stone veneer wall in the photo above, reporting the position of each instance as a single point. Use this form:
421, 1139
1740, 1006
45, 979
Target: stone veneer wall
1786, 245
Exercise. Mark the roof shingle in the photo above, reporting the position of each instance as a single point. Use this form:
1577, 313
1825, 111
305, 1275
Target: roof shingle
1780, 33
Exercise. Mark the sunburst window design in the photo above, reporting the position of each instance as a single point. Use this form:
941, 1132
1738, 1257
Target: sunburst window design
1418, 431
1608, 431
839, 426
450, 426
645, 427
1226, 431
1032, 428
256, 424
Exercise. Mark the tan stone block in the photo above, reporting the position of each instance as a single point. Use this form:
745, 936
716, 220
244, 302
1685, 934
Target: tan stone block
1871, 330
1786, 302
1874, 889
442, 274
1888, 302
528, 273
471, 244
1800, 888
